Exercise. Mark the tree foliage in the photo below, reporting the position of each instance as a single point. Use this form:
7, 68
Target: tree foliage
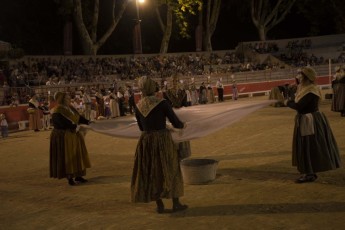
167, 10
212, 14
182, 10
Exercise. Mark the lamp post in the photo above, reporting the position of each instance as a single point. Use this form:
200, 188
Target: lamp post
137, 45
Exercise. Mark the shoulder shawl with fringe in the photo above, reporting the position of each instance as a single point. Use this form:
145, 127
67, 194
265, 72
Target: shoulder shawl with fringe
175, 97
34, 102
147, 104
68, 112
340, 76
304, 90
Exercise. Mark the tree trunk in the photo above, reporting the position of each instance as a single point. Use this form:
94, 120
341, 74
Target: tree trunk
85, 39
207, 40
262, 33
68, 38
265, 16
90, 44
167, 31
212, 14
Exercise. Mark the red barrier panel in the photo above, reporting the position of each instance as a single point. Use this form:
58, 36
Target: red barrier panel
15, 114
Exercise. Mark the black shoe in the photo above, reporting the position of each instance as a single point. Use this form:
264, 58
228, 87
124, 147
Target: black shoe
179, 207
160, 206
306, 178
80, 179
71, 182
160, 210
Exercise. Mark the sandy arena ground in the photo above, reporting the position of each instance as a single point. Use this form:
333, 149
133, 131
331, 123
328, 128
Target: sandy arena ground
254, 188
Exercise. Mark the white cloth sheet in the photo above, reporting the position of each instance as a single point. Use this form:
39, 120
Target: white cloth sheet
201, 120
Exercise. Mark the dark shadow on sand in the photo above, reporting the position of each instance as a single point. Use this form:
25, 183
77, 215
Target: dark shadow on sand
263, 209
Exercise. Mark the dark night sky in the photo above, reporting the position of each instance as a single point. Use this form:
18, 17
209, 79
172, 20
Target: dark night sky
35, 26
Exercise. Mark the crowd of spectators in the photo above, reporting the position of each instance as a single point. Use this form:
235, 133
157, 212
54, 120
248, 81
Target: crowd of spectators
264, 47
295, 54
38, 71
341, 58
300, 59
303, 44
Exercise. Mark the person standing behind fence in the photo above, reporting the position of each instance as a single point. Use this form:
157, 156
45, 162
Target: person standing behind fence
121, 101
202, 94
4, 126
220, 90
131, 99
156, 172
234, 90
6, 93
68, 154
314, 146
35, 122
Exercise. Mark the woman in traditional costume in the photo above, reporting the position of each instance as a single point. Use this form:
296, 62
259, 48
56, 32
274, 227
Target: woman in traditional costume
202, 94
35, 122
156, 171
314, 146
100, 105
175, 94
68, 154
210, 94
194, 93
114, 104
177, 99
338, 85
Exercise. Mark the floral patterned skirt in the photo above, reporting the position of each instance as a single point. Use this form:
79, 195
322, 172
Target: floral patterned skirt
156, 171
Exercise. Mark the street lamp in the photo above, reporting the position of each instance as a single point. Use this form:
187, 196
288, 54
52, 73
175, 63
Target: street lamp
137, 45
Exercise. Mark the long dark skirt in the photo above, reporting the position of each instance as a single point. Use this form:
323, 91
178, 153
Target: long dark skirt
68, 154
156, 171
35, 120
318, 152
338, 100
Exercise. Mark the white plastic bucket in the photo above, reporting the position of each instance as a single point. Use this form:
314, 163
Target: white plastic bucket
198, 171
